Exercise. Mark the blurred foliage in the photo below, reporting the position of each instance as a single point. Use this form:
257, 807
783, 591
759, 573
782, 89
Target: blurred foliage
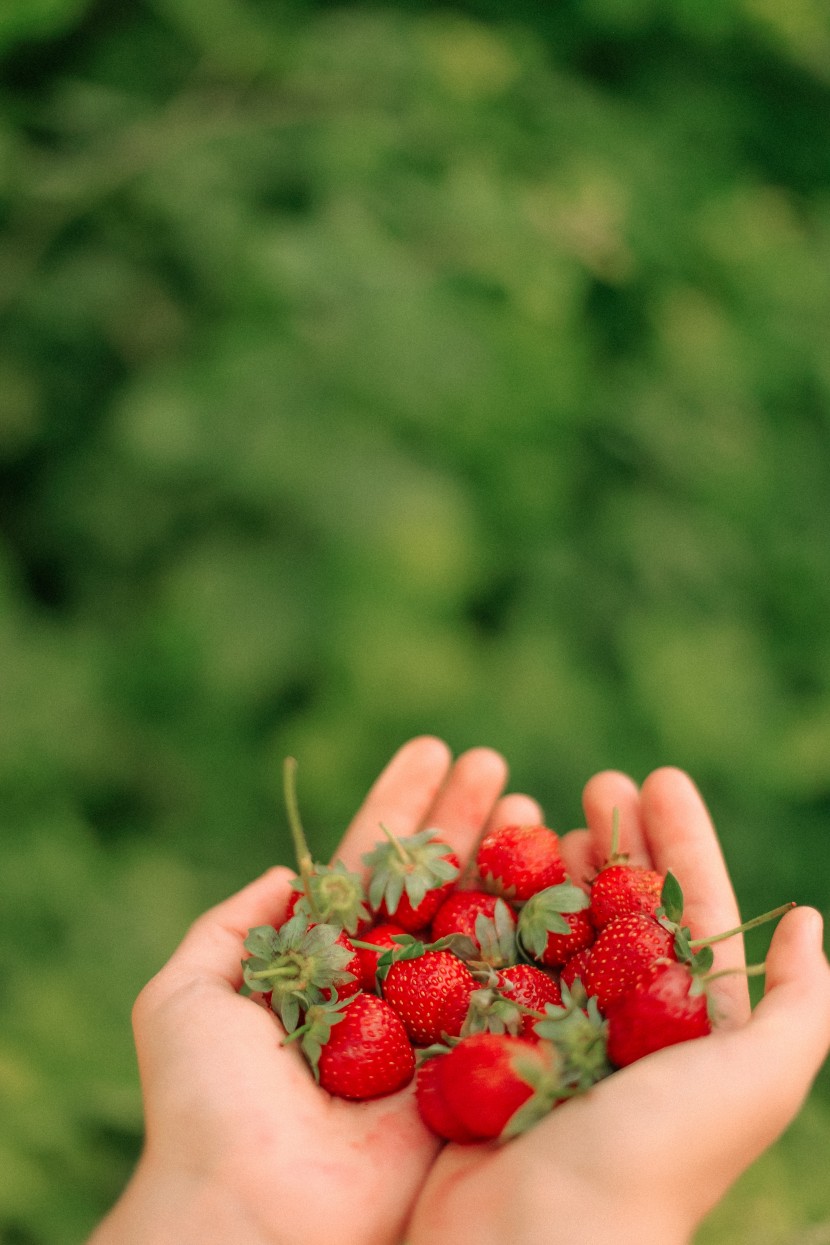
374, 370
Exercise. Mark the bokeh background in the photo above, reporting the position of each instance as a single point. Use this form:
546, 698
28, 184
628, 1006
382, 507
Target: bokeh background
370, 369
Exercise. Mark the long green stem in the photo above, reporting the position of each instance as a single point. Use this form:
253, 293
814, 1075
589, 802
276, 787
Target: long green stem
305, 864
741, 929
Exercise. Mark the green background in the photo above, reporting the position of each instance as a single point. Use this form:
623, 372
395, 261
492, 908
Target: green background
370, 370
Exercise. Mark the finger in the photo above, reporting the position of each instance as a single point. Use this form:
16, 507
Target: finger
604, 793
213, 948
758, 1076
578, 855
400, 798
466, 803
682, 838
515, 810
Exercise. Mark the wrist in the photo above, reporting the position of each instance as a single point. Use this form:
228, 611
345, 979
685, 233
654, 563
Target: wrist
161, 1207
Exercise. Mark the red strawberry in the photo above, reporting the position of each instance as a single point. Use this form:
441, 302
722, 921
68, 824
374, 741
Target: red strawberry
301, 966
358, 1049
668, 1005
620, 889
510, 1002
554, 924
432, 1106
383, 937
497, 1085
460, 912
575, 967
410, 878
530, 987
430, 992
517, 861
623, 953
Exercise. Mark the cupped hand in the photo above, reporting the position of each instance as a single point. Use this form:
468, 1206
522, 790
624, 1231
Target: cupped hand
241, 1145
645, 1154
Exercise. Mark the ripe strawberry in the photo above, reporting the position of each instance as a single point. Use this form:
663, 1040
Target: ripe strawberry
575, 968
622, 953
532, 988
554, 924
620, 889
460, 912
410, 878
511, 1001
497, 1085
358, 1048
383, 938
517, 861
301, 966
432, 1106
668, 1005
429, 989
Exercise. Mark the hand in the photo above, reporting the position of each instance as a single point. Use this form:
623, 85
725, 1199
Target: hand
647, 1152
241, 1145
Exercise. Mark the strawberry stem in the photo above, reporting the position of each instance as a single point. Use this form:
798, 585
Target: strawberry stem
396, 843
747, 970
615, 833
741, 929
305, 864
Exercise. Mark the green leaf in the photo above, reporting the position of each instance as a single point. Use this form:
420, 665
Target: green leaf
671, 898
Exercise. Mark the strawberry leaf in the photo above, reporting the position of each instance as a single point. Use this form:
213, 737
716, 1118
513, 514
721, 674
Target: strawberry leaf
671, 899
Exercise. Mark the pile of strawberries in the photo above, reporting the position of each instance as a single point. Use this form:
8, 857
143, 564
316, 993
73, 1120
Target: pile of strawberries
504, 990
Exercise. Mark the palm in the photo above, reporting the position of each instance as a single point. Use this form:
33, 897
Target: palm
251, 1108
665, 826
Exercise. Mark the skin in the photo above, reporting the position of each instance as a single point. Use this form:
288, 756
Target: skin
242, 1146
646, 1154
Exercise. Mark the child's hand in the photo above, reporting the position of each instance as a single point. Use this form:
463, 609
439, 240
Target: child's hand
242, 1146
647, 1152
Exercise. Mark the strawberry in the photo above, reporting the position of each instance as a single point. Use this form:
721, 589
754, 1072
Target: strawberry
517, 861
666, 1006
429, 988
410, 878
357, 1048
497, 1085
529, 987
301, 966
382, 938
620, 889
511, 1001
622, 953
432, 1105
554, 924
460, 912
575, 967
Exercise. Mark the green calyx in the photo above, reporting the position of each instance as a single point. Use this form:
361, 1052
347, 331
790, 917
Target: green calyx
580, 1037
331, 894
490, 1011
407, 947
298, 964
410, 866
543, 914
314, 1033
334, 896
545, 1079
